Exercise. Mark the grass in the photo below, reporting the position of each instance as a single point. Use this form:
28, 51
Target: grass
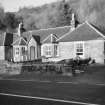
93, 74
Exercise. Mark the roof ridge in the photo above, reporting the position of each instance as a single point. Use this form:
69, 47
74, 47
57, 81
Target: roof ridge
48, 28
24, 40
15, 41
55, 36
70, 31
19, 39
100, 33
45, 38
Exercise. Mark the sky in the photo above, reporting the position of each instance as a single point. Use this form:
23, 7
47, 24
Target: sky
14, 5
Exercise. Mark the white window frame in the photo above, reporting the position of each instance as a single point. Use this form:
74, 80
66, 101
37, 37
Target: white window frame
56, 50
17, 50
48, 50
78, 46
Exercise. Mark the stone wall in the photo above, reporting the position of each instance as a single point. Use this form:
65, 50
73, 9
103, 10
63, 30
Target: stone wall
66, 50
9, 68
95, 49
92, 48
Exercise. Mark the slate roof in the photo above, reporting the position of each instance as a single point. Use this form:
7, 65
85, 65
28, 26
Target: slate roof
83, 32
44, 33
51, 39
37, 38
15, 37
20, 41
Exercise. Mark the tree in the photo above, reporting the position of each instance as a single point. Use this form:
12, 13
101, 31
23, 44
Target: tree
2, 26
64, 14
93, 11
30, 24
10, 21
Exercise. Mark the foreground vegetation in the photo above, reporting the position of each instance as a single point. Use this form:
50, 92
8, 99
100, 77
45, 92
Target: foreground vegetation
94, 73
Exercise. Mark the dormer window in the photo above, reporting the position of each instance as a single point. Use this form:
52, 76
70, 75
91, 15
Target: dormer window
48, 51
53, 38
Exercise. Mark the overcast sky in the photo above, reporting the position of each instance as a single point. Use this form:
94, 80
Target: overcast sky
13, 5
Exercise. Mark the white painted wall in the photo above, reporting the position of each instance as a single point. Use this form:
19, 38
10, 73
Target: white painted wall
43, 49
66, 50
95, 49
32, 42
2, 53
19, 57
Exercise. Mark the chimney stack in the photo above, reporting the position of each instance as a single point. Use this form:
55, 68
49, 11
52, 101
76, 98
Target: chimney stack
72, 23
20, 28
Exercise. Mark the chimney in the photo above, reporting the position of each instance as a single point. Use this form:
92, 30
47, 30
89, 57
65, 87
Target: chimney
72, 23
20, 28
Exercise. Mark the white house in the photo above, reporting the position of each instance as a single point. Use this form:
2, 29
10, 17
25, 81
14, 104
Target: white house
54, 43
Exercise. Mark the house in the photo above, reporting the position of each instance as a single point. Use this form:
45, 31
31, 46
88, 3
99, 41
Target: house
20, 50
54, 44
25, 48
50, 45
34, 47
48, 39
16, 47
85, 41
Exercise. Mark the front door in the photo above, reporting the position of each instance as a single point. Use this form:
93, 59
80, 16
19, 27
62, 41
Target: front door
32, 53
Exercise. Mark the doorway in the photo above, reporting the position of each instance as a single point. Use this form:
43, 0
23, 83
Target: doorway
32, 53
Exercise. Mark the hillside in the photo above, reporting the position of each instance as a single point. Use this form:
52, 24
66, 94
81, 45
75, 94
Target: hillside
46, 16
55, 14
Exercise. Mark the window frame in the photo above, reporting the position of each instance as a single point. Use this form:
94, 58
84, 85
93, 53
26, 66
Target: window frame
17, 50
48, 50
56, 50
79, 48
23, 50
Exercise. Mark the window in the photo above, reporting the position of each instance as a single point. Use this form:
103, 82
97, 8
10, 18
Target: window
17, 51
55, 50
23, 50
79, 48
48, 51
32, 53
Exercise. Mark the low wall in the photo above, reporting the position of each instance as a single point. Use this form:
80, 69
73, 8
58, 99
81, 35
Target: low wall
8, 68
